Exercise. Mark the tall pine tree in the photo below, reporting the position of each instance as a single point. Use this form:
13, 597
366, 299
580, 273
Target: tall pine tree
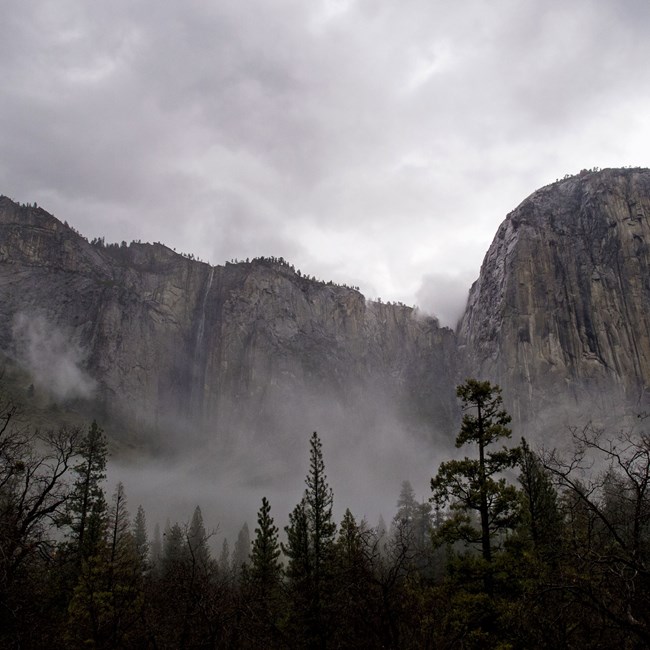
87, 504
263, 580
265, 569
474, 485
310, 549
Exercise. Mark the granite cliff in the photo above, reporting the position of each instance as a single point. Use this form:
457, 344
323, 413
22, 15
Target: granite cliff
173, 347
560, 313
170, 345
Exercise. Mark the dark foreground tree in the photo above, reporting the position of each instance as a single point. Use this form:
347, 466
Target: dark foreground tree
310, 551
475, 485
87, 503
605, 488
34, 467
265, 570
241, 552
262, 582
106, 606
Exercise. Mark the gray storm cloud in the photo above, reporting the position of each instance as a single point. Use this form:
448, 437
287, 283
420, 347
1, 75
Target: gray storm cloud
373, 143
444, 296
52, 357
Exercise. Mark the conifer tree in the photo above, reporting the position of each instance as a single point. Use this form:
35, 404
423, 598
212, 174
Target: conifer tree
224, 558
140, 538
107, 600
353, 586
319, 499
87, 504
541, 512
265, 570
120, 541
263, 580
473, 484
241, 551
156, 549
173, 551
413, 524
310, 549
197, 540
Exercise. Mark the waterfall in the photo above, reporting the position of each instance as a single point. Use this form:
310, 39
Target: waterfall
201, 328
198, 366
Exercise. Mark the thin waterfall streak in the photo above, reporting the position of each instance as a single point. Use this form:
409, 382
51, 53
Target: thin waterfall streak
201, 328
199, 370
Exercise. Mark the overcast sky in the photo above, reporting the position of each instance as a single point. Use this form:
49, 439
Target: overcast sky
373, 142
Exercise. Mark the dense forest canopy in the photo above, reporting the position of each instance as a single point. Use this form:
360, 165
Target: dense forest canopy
556, 557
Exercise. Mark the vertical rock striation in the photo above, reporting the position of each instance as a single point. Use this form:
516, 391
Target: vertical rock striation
561, 307
559, 317
177, 345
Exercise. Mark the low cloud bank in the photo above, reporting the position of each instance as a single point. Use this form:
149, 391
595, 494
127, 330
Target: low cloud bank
52, 357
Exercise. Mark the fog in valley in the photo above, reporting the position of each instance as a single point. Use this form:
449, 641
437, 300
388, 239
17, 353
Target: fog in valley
368, 453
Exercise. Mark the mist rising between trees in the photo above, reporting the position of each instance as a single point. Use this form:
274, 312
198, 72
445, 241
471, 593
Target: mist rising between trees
514, 549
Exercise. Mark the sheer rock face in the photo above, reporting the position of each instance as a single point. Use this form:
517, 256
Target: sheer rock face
559, 317
174, 343
560, 309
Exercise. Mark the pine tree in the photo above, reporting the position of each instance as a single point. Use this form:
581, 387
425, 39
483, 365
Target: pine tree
224, 558
87, 504
156, 549
263, 581
353, 585
120, 539
141, 540
473, 485
173, 551
197, 540
407, 504
412, 525
107, 600
541, 512
265, 570
297, 548
319, 499
310, 549
241, 551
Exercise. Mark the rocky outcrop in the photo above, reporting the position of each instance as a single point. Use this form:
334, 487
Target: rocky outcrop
560, 313
559, 317
171, 344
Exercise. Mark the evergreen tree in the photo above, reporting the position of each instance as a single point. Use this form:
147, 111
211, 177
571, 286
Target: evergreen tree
241, 551
473, 484
310, 549
263, 581
407, 504
224, 558
140, 538
265, 570
156, 549
413, 524
541, 513
297, 549
319, 500
197, 540
87, 504
356, 596
120, 539
107, 600
173, 551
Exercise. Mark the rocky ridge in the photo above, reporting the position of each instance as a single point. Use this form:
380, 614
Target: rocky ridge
558, 317
171, 342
